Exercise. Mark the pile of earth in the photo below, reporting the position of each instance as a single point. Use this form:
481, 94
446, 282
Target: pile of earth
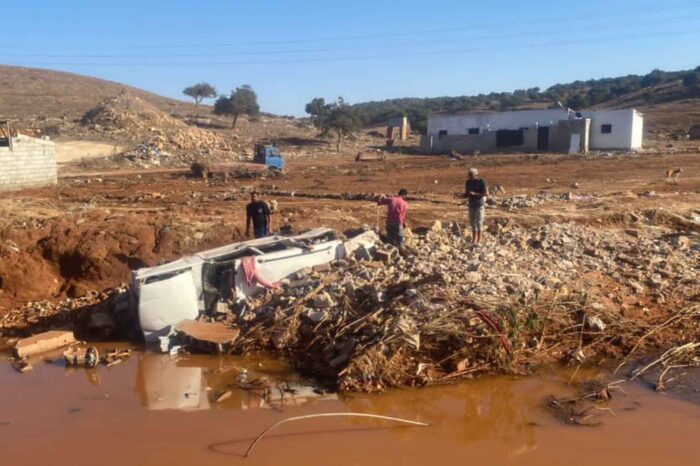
153, 136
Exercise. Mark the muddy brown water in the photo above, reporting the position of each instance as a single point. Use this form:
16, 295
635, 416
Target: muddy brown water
158, 410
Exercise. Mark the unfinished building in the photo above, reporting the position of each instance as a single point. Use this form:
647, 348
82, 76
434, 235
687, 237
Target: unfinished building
548, 130
25, 162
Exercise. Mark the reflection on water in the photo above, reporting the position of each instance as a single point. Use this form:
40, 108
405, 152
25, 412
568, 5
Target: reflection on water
196, 382
163, 382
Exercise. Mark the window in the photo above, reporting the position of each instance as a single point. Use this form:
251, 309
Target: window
442, 132
473, 130
509, 138
606, 129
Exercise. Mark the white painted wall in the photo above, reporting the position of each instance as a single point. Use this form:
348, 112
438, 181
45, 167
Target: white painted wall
459, 124
627, 127
637, 130
627, 124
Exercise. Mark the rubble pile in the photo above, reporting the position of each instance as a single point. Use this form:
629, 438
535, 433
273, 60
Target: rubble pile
523, 201
440, 310
153, 131
98, 315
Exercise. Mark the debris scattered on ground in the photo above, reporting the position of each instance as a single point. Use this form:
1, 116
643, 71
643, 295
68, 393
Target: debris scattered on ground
442, 310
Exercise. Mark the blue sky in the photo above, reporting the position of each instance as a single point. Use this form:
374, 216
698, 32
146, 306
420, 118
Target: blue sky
292, 51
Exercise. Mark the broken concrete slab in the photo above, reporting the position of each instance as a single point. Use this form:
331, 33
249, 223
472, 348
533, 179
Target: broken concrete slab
43, 342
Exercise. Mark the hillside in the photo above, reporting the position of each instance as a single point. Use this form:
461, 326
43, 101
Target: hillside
33, 92
658, 93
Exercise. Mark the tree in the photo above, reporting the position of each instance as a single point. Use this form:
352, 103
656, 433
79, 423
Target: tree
317, 109
336, 118
652, 79
691, 79
577, 102
243, 101
200, 91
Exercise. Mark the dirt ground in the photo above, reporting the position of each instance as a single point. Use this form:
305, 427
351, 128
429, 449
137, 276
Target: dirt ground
92, 229
74, 151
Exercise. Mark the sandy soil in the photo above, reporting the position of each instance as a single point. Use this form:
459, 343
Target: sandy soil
74, 151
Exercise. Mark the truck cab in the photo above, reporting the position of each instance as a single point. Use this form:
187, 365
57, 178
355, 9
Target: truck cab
270, 156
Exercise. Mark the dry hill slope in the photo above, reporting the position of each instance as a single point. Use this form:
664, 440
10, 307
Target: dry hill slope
33, 92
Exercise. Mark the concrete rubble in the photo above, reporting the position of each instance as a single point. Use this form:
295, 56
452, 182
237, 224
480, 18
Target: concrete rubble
42, 343
441, 310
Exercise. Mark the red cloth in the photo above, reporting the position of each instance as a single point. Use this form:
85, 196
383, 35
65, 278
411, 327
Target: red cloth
251, 273
396, 209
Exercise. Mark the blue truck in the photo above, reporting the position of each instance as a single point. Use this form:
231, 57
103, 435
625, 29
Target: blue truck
268, 155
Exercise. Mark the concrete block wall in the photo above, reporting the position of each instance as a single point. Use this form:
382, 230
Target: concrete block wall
31, 163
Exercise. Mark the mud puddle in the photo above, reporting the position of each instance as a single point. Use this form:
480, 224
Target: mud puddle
158, 410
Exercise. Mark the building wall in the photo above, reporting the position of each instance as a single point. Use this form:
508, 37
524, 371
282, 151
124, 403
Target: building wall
460, 123
559, 139
31, 163
627, 127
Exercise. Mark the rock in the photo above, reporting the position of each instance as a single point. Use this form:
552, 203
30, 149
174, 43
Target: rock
436, 226
411, 294
384, 255
302, 282
315, 316
303, 273
322, 267
323, 300
637, 287
680, 242
363, 254
632, 232
598, 307
595, 323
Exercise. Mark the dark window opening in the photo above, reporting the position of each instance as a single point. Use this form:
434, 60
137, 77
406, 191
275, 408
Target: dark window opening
509, 137
442, 132
473, 130
606, 129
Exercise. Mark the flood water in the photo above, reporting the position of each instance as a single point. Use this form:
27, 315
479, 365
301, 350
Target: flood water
158, 410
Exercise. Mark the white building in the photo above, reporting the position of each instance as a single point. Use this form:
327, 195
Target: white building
615, 129
553, 130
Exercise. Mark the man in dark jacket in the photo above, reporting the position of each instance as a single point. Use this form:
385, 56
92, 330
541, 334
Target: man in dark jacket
475, 191
258, 213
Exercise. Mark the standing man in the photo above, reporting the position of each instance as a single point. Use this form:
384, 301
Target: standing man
259, 213
396, 216
476, 191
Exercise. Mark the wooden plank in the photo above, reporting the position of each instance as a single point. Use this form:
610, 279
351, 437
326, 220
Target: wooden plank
209, 333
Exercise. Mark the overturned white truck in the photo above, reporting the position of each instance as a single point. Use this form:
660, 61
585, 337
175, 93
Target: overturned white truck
169, 294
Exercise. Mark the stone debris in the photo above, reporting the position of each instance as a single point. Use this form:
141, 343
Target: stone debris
42, 343
441, 309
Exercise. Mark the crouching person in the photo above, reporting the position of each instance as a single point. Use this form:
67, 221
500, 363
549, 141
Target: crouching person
396, 216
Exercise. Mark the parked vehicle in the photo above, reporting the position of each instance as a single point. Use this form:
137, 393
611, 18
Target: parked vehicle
269, 155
